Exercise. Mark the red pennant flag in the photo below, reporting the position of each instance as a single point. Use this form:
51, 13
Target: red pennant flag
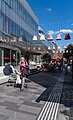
67, 36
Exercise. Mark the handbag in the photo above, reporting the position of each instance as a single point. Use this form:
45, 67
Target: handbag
18, 81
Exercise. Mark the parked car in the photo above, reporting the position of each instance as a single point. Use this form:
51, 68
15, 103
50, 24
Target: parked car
39, 65
32, 63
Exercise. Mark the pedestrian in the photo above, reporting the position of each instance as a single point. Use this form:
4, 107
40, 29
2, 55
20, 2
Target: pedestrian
8, 69
24, 66
65, 67
72, 68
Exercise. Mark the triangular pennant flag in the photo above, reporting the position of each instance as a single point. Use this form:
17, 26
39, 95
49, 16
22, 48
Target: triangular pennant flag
64, 47
50, 37
34, 37
42, 37
58, 37
67, 36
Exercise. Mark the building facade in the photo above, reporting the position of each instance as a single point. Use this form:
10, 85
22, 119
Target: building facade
17, 20
45, 42
57, 53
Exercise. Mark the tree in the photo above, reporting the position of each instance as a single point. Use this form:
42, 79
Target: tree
46, 58
68, 52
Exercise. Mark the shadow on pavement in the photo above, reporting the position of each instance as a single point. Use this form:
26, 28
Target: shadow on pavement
67, 96
47, 80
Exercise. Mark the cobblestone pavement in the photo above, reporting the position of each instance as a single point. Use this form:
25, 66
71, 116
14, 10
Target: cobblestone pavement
26, 105
66, 104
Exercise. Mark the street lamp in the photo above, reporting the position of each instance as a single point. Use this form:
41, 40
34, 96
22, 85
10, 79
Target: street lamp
66, 51
63, 51
49, 48
58, 47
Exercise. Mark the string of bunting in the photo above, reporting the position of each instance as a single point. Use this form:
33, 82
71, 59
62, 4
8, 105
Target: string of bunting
58, 37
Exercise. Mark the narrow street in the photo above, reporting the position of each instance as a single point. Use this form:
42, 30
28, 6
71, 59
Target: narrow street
47, 97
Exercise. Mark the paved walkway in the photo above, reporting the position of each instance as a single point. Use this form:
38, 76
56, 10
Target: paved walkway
50, 109
4, 78
27, 105
49, 96
66, 104
16, 105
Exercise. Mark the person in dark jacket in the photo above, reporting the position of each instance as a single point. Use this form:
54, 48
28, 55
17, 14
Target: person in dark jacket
7, 70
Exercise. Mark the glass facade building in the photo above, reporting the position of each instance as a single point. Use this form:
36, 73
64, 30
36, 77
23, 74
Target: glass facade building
17, 19
45, 42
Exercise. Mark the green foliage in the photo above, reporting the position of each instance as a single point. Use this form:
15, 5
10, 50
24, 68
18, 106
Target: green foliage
68, 52
46, 58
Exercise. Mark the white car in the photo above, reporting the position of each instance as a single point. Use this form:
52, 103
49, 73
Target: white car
32, 63
39, 65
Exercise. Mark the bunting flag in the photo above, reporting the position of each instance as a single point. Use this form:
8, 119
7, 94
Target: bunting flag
67, 36
34, 37
64, 47
42, 37
58, 37
50, 38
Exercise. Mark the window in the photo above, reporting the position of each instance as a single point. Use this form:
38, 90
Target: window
5, 24
1, 21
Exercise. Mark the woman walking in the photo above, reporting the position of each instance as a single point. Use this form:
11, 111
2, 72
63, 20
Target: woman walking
24, 72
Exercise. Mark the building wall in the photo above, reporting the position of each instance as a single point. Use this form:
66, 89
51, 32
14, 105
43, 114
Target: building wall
17, 18
30, 11
46, 42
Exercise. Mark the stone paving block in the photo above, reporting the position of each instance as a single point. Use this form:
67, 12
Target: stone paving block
33, 104
2, 107
12, 115
10, 105
14, 93
40, 103
3, 117
21, 116
27, 97
30, 108
7, 112
33, 91
22, 105
13, 100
